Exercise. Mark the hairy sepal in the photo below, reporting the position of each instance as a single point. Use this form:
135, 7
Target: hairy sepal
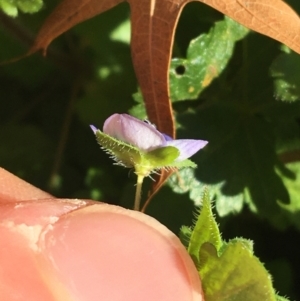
144, 163
124, 153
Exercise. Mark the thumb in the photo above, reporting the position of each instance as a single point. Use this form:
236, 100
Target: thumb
82, 250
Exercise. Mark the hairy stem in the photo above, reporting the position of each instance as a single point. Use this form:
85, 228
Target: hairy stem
138, 191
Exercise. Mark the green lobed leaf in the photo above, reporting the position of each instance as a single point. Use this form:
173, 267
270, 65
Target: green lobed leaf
207, 56
234, 274
184, 163
240, 158
228, 271
11, 7
285, 71
185, 181
291, 211
185, 235
8, 8
138, 110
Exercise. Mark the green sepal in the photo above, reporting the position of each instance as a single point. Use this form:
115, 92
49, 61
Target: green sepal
143, 162
163, 156
124, 153
156, 159
279, 298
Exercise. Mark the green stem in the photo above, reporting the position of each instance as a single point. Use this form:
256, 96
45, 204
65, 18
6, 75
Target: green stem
138, 190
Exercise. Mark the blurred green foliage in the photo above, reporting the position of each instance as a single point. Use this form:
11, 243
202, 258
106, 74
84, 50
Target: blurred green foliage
238, 90
11, 7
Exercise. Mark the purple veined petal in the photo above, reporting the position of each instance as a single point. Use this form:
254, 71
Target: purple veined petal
168, 138
187, 147
133, 131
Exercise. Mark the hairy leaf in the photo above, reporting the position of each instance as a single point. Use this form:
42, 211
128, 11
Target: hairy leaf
285, 70
228, 271
235, 274
205, 230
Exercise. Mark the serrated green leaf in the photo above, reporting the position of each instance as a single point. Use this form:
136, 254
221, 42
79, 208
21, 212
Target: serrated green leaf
285, 70
138, 110
227, 204
240, 158
247, 243
185, 181
8, 8
235, 274
207, 56
184, 163
185, 235
291, 211
205, 230
228, 271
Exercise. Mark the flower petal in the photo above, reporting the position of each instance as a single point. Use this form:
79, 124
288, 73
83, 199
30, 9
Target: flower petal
133, 131
187, 147
94, 129
168, 138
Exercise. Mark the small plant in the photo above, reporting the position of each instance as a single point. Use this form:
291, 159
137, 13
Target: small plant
138, 144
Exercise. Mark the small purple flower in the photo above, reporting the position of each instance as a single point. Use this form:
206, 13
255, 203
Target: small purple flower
146, 137
138, 144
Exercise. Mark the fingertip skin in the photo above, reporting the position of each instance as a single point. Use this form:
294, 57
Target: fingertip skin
22, 224
14, 189
82, 250
116, 254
